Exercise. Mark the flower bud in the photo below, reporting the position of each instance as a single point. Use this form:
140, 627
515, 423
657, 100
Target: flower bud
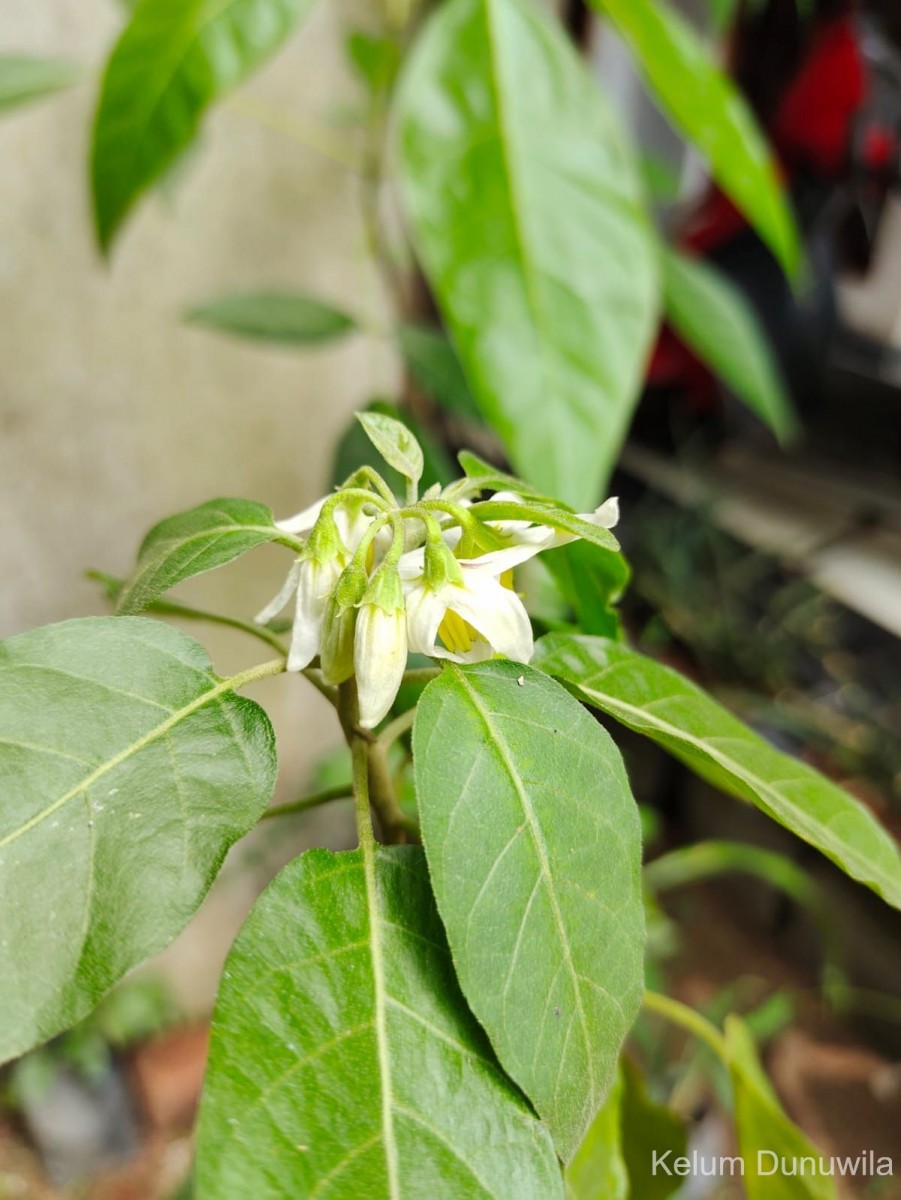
337, 653
380, 645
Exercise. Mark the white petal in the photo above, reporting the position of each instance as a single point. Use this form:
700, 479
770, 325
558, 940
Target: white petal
303, 521
425, 610
380, 658
495, 562
497, 613
352, 527
316, 583
605, 515
277, 603
412, 564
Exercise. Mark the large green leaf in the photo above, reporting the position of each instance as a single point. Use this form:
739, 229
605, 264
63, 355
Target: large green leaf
173, 60
286, 318
710, 110
127, 769
663, 705
192, 542
24, 78
597, 1170
344, 1062
712, 317
765, 1134
527, 215
533, 843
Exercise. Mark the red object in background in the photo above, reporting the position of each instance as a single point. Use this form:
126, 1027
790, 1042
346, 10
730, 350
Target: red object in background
811, 132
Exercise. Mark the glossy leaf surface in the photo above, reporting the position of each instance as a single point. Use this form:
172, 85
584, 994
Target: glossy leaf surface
173, 59
192, 542
658, 702
709, 109
715, 320
395, 442
533, 843
128, 770
344, 1062
527, 215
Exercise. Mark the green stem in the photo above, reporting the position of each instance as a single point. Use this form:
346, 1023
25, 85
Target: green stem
689, 1020
313, 800
397, 728
264, 671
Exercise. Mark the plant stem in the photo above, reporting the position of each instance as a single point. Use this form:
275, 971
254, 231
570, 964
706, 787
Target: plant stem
397, 728
379, 788
318, 140
680, 1014
383, 798
343, 792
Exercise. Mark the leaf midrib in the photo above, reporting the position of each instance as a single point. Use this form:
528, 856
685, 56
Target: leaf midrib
544, 865
147, 739
843, 852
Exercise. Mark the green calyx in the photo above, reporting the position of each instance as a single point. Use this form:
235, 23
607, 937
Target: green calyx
440, 568
337, 653
385, 589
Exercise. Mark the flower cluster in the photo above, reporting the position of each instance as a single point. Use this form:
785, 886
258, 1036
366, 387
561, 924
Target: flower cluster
377, 580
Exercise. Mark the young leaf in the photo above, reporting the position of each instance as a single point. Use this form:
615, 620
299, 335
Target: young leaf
525, 206
656, 701
344, 1061
708, 108
712, 316
436, 368
394, 441
597, 1168
647, 1127
129, 771
286, 318
764, 1128
23, 79
533, 844
354, 450
173, 60
192, 542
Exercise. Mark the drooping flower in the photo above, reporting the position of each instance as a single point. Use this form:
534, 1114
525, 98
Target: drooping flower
459, 609
380, 645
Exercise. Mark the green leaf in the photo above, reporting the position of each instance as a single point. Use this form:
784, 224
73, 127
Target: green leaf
354, 450
375, 59
764, 1128
597, 1170
395, 442
437, 370
527, 214
285, 318
709, 109
129, 769
647, 1127
591, 583
660, 703
192, 542
551, 515
173, 59
533, 843
344, 1062
712, 316
23, 78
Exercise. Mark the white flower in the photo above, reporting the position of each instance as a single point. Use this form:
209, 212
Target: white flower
316, 582
380, 646
542, 537
471, 611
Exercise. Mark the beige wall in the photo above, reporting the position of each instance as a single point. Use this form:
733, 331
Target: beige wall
112, 413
